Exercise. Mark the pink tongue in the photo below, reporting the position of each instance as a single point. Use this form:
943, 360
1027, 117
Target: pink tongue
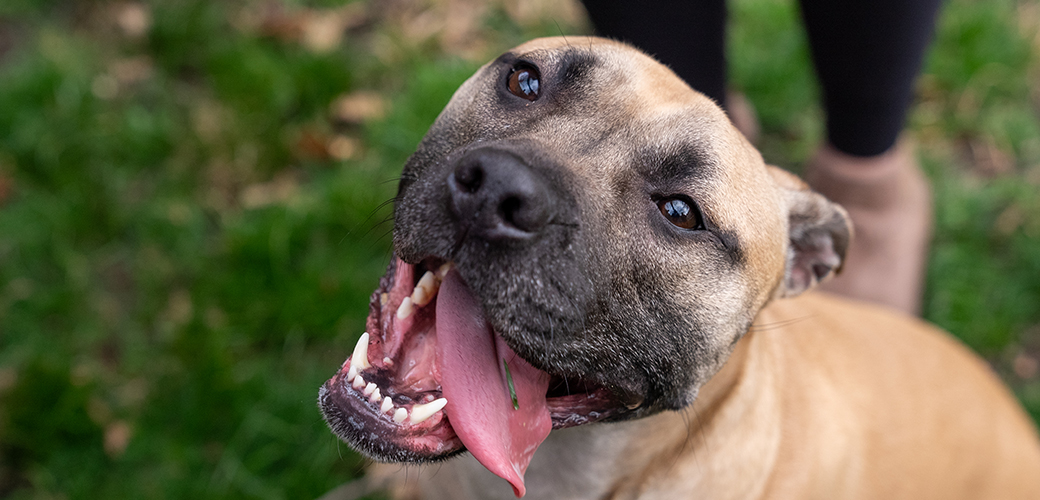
473, 380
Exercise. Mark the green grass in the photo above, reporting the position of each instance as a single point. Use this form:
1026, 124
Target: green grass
183, 262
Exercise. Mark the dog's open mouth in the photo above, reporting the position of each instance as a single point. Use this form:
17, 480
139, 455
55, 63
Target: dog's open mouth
431, 377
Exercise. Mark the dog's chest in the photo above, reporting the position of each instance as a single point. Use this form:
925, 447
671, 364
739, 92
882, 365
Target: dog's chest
576, 463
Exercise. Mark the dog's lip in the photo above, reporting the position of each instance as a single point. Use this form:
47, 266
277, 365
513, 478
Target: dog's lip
357, 419
346, 406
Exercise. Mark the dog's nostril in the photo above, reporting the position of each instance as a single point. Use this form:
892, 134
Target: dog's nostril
509, 210
469, 176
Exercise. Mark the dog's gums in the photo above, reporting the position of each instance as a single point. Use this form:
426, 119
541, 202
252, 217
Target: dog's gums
429, 379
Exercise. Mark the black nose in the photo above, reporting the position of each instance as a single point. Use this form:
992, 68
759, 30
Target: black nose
499, 196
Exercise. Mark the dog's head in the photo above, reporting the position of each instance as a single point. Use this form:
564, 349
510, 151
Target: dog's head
579, 237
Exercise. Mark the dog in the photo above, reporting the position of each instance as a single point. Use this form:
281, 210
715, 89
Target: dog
581, 238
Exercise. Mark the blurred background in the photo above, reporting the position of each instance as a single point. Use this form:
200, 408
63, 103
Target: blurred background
193, 213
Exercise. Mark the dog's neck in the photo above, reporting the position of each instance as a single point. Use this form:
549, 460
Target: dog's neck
738, 401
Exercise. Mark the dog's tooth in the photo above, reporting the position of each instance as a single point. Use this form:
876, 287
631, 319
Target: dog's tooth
383, 299
443, 270
376, 396
387, 360
360, 357
405, 310
351, 373
422, 412
400, 415
425, 290
387, 405
359, 382
370, 388
420, 296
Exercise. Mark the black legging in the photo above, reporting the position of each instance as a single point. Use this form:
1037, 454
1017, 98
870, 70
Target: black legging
866, 53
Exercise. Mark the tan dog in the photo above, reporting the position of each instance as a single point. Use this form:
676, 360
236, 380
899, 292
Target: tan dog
580, 237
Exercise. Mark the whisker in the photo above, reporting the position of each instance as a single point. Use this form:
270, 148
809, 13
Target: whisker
777, 324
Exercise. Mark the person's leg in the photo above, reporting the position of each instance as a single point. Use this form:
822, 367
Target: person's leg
867, 55
687, 36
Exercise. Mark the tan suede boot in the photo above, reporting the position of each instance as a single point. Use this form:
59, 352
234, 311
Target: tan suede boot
743, 115
890, 203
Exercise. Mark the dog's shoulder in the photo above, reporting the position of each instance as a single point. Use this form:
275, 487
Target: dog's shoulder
859, 376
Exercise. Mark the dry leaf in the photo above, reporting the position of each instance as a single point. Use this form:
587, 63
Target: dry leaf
990, 159
322, 32
359, 107
117, 437
1026, 366
6, 187
131, 70
531, 12
311, 145
319, 30
8, 379
134, 19
179, 308
281, 189
342, 147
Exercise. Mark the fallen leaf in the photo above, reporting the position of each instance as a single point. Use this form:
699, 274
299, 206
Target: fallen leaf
342, 147
6, 187
135, 19
990, 159
532, 12
1026, 366
117, 437
132, 70
311, 145
322, 32
359, 107
281, 189
179, 308
8, 379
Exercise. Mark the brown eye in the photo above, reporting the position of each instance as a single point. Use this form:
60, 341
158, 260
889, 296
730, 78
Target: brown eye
681, 212
524, 82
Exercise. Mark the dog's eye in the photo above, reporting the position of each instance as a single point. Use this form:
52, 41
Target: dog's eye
681, 212
524, 82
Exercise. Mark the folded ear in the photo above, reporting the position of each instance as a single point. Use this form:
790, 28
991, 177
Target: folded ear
819, 232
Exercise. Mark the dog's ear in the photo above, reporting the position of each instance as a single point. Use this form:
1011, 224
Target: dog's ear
819, 232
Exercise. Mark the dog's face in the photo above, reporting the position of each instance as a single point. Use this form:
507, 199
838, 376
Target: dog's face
597, 235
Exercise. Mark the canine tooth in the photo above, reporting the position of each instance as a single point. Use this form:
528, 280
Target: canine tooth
400, 415
370, 388
422, 412
359, 382
443, 270
387, 404
351, 373
405, 309
387, 360
360, 356
376, 396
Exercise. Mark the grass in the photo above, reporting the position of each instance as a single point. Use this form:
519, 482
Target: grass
190, 214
